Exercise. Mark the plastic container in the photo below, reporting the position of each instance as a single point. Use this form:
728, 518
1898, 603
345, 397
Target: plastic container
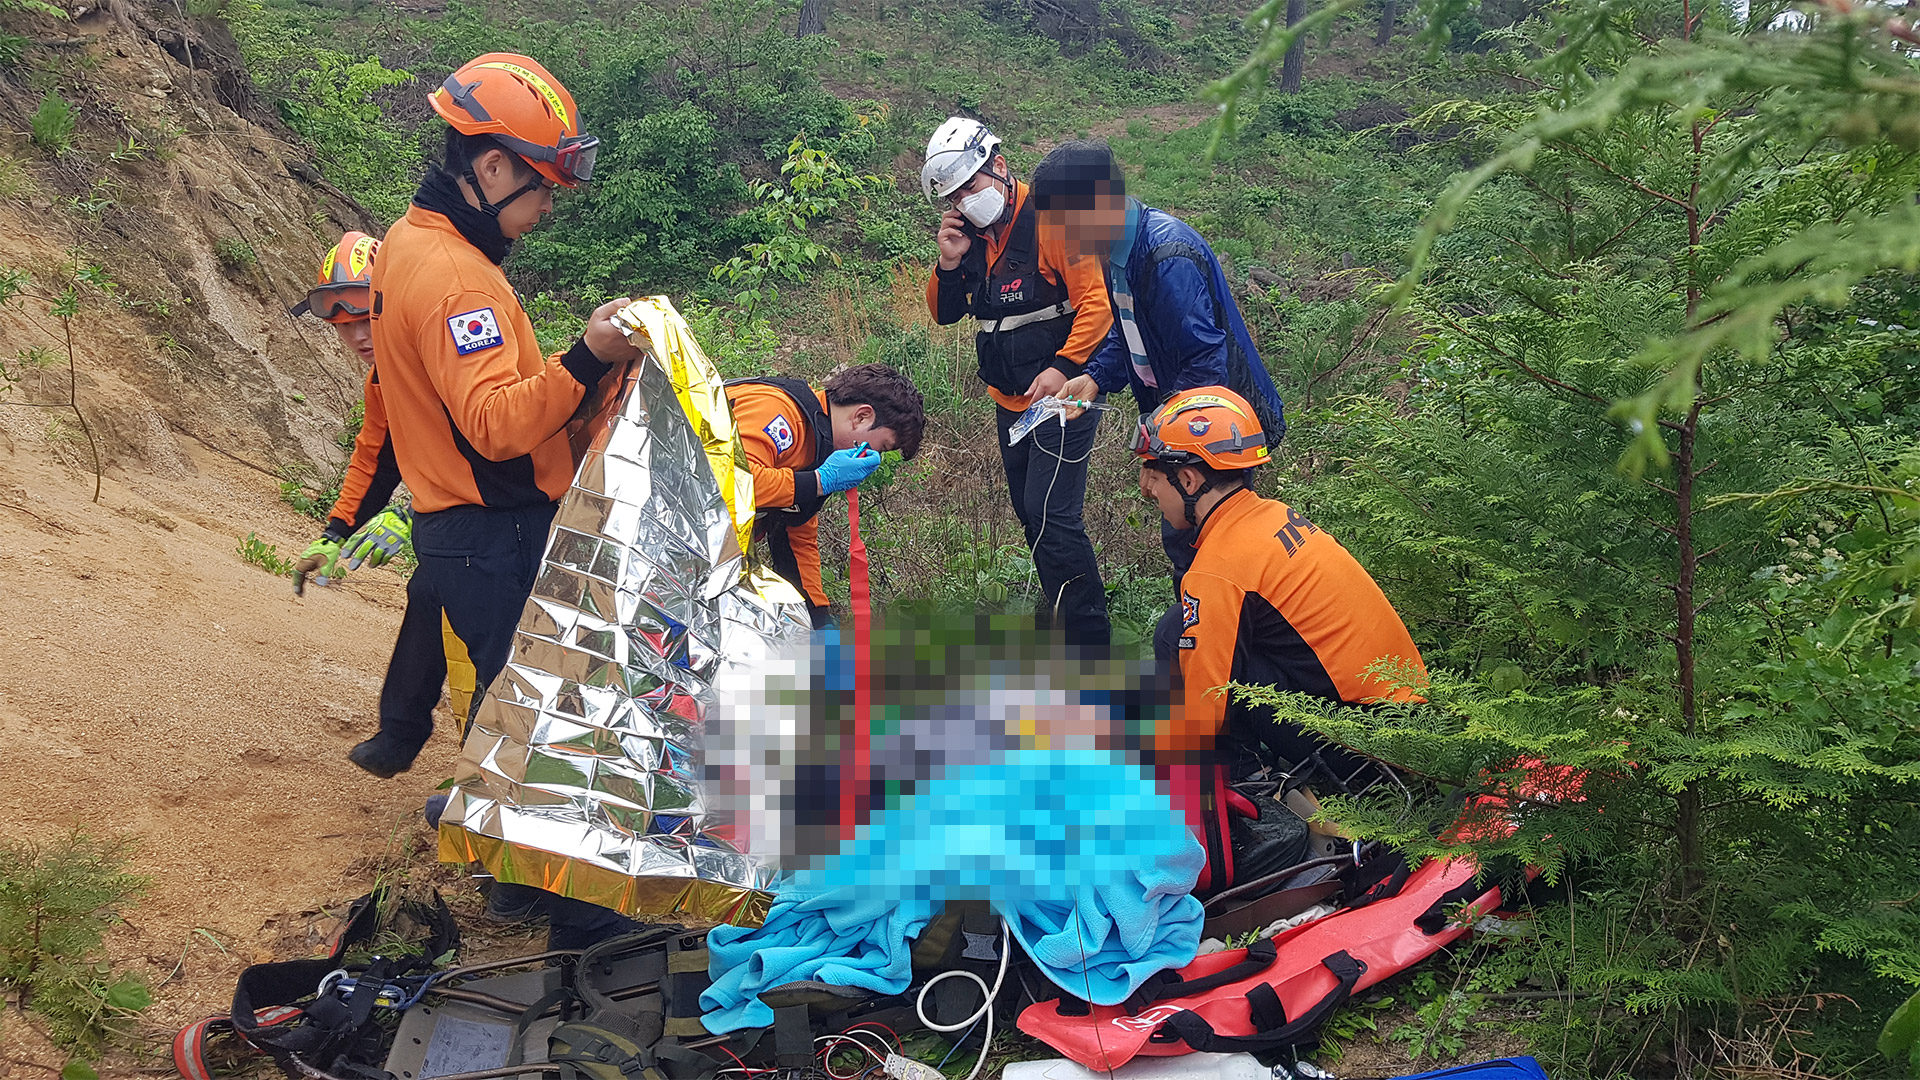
1182, 1067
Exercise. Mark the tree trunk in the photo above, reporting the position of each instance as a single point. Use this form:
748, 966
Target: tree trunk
1297, 54
1389, 12
813, 18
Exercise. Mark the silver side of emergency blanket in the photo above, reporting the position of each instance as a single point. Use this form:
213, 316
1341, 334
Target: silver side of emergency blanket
581, 773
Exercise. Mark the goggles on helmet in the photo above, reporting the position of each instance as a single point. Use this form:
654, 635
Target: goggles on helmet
573, 158
335, 303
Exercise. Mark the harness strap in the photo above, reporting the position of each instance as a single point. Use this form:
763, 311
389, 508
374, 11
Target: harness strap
1014, 322
1192, 1028
1167, 985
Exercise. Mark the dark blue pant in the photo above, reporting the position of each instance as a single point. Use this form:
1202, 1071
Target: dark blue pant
476, 564
1047, 478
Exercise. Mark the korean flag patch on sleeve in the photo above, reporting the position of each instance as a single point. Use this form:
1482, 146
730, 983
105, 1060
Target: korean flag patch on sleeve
781, 433
475, 330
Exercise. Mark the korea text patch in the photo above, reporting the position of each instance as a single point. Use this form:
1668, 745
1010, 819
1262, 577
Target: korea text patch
475, 330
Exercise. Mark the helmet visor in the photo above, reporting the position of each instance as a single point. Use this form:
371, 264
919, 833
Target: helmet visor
341, 303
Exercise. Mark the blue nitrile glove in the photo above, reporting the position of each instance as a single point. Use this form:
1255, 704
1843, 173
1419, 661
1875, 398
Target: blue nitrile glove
845, 469
380, 539
321, 559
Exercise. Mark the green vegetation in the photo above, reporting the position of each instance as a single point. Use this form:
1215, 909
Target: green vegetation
52, 124
57, 903
1630, 443
266, 556
235, 254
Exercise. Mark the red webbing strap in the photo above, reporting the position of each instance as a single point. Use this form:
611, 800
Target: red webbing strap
855, 749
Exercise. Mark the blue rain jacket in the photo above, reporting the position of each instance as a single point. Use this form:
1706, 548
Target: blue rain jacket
1188, 320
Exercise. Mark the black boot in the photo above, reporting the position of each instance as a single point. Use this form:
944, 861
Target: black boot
381, 758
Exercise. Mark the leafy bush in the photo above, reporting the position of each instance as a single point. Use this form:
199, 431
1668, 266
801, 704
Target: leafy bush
264, 555
235, 253
57, 903
52, 124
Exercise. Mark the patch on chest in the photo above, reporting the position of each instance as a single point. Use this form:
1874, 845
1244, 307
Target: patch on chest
475, 330
780, 432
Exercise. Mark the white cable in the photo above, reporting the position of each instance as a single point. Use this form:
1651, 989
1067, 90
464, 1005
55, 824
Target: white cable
1033, 550
986, 1007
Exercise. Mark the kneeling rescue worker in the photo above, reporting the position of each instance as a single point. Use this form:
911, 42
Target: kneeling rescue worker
478, 415
805, 444
1270, 599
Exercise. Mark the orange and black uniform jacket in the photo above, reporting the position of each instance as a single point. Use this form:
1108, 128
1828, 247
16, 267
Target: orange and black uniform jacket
1085, 282
372, 472
478, 415
783, 448
1273, 600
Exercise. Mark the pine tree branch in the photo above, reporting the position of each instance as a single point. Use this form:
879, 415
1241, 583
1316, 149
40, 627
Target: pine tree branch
1615, 238
1628, 180
1548, 270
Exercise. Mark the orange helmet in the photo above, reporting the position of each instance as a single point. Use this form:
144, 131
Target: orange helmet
515, 100
1208, 425
345, 291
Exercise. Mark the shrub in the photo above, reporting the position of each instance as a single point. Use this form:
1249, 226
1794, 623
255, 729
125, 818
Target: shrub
235, 253
57, 903
265, 556
52, 124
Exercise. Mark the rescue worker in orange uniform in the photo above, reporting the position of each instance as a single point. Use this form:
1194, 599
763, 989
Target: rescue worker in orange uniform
361, 529
478, 416
1039, 315
1270, 599
805, 444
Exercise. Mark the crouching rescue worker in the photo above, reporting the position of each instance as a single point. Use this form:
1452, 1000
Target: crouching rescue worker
1039, 315
361, 529
1175, 323
1270, 599
805, 444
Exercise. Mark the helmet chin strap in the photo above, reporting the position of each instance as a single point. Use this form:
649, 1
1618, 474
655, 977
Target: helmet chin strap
493, 209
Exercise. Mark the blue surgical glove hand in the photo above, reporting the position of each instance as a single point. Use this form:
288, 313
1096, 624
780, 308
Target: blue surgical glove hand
845, 469
380, 539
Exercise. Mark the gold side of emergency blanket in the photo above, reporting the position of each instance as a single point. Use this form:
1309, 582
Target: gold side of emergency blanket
581, 772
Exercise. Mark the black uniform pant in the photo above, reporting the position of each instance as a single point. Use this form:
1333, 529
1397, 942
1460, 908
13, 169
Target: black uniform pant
476, 565
1047, 478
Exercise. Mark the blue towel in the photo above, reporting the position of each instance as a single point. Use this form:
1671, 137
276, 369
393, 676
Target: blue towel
839, 937
1112, 937
1074, 846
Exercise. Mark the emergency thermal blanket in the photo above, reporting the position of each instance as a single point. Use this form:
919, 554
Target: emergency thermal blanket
580, 774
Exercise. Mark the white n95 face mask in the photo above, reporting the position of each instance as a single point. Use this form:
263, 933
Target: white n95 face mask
985, 206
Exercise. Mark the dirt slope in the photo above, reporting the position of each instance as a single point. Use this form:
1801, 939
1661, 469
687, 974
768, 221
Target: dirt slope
152, 683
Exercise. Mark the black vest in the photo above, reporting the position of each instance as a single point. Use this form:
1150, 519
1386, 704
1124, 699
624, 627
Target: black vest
815, 420
1011, 356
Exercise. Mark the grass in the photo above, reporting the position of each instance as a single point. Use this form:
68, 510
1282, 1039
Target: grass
266, 556
235, 253
52, 124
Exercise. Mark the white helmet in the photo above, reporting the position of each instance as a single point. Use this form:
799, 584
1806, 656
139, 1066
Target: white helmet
960, 148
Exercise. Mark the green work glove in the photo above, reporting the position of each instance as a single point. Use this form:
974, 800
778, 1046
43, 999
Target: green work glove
380, 539
322, 558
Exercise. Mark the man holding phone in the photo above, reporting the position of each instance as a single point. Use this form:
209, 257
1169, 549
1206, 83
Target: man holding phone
1040, 315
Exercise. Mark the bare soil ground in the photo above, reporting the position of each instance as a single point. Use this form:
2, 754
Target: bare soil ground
157, 686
